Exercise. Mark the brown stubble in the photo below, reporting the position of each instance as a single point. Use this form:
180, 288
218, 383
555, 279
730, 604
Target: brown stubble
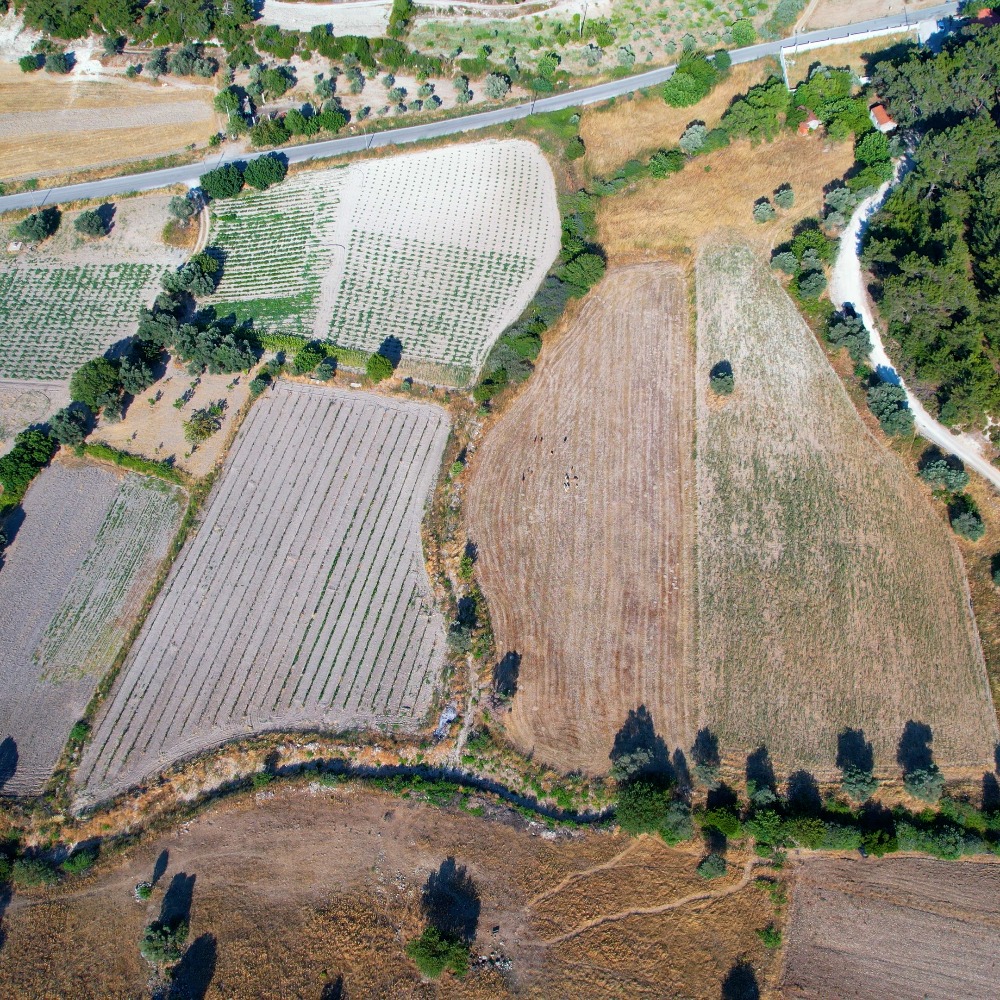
581, 503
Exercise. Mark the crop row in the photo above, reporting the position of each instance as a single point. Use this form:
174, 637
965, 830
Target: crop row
302, 601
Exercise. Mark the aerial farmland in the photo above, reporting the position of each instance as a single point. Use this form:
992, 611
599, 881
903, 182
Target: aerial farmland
303, 601
72, 582
438, 251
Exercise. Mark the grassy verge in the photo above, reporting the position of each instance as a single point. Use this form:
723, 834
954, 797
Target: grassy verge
136, 463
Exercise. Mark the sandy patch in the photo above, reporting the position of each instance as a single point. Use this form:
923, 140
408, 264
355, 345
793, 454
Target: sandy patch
368, 18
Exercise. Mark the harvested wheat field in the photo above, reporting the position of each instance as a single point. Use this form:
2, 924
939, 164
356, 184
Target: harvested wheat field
581, 506
832, 13
71, 585
314, 891
616, 133
894, 928
719, 190
831, 594
50, 124
303, 600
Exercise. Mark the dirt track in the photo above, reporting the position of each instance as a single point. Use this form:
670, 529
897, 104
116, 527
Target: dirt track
895, 929
581, 506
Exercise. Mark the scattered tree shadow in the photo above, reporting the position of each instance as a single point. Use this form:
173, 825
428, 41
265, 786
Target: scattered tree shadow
506, 673
106, 213
933, 453
914, 752
10, 526
177, 900
996, 758
193, 974
722, 797
8, 760
760, 770
991, 793
6, 894
854, 751
638, 751
682, 773
392, 348
721, 369
160, 866
803, 794
741, 983
334, 990
450, 901
705, 749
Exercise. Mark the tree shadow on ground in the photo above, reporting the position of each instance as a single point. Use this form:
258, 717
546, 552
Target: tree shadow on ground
506, 673
722, 797
914, 751
106, 213
682, 773
6, 893
334, 990
803, 795
705, 749
638, 751
450, 901
177, 900
392, 348
8, 760
193, 974
760, 771
160, 866
854, 751
991, 793
741, 983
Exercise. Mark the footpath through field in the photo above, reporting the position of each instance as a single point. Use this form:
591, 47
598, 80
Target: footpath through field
847, 286
189, 173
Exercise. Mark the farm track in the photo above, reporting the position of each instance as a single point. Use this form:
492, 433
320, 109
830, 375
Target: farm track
831, 594
71, 584
302, 601
581, 503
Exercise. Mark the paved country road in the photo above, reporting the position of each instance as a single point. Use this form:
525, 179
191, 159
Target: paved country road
189, 173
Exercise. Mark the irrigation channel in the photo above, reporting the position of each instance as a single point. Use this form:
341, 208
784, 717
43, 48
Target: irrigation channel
847, 287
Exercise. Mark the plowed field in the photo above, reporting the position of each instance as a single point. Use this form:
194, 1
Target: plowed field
895, 929
830, 593
581, 504
302, 601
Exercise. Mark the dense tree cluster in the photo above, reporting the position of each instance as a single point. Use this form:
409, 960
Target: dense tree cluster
935, 245
694, 78
31, 452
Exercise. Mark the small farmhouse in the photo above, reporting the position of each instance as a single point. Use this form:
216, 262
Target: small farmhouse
881, 118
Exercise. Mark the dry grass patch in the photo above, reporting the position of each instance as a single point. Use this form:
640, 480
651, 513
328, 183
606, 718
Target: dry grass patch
581, 505
833, 13
853, 55
616, 133
830, 593
280, 915
718, 190
895, 928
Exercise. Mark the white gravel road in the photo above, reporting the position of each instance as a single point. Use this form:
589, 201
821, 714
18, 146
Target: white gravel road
847, 286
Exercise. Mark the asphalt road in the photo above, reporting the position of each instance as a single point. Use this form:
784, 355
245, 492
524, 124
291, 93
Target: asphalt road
189, 173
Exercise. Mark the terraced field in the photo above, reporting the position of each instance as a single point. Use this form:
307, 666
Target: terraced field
55, 317
71, 584
830, 593
440, 250
303, 600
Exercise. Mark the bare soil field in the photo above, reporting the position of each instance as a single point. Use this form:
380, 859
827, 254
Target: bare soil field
831, 13
310, 892
616, 133
831, 593
303, 600
719, 190
42, 118
23, 403
894, 928
71, 584
581, 505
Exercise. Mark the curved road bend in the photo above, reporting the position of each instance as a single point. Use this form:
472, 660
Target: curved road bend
847, 285
189, 173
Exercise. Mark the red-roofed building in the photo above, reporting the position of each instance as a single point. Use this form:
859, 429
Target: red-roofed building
881, 119
810, 123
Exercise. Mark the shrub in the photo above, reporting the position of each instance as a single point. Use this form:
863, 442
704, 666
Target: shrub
80, 862
583, 271
724, 820
258, 385
721, 379
223, 182
163, 943
183, 207
924, 783
496, 86
93, 381
847, 329
784, 197
33, 449
763, 210
268, 132
649, 807
771, 936
30, 872
265, 171
811, 284
712, 866
204, 422
666, 161
945, 474
90, 223
379, 367
969, 524
68, 426
434, 952
693, 137
744, 33
31, 63
58, 62
858, 783
888, 402
308, 357
39, 225
785, 261
575, 148
143, 890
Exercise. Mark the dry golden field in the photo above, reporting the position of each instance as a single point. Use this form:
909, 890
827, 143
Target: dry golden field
831, 594
853, 55
50, 124
581, 505
617, 133
831, 13
306, 890
718, 190
894, 928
